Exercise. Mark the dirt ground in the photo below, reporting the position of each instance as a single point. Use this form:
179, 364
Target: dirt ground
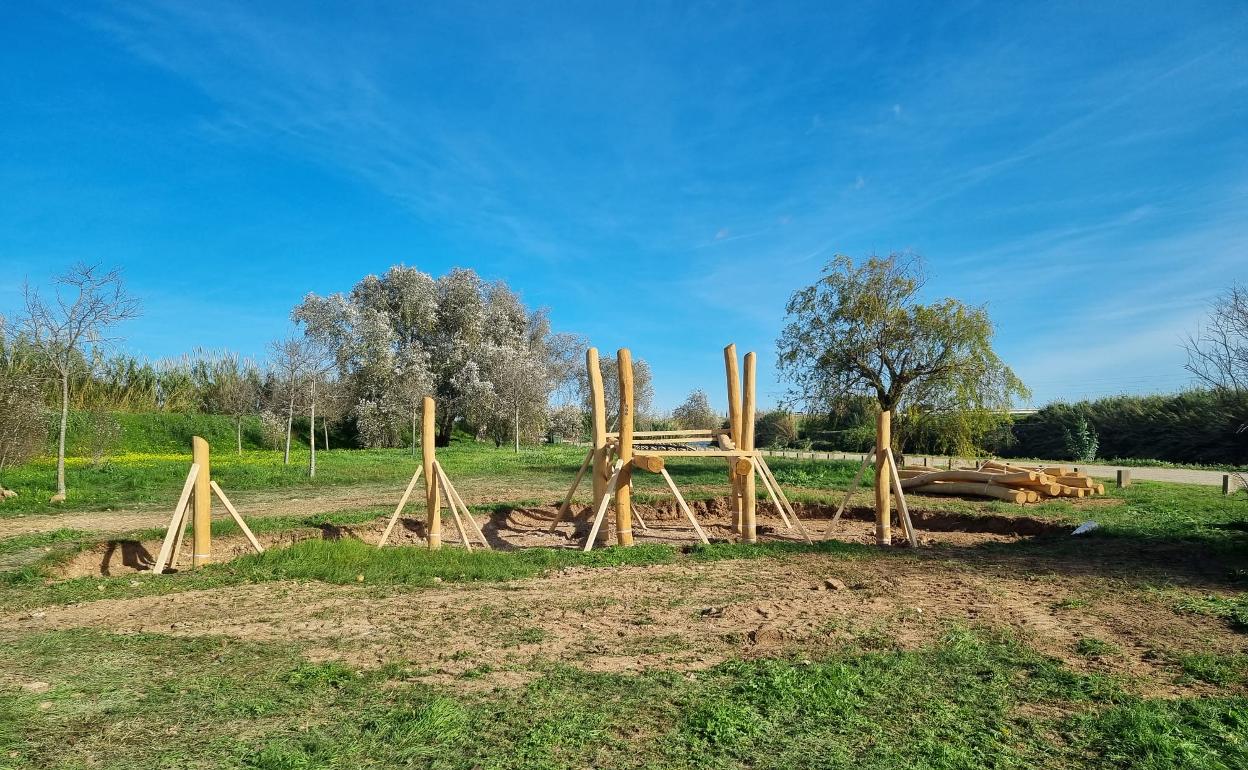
528, 527
684, 616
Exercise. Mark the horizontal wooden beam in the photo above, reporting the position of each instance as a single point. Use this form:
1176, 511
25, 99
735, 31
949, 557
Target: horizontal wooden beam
648, 462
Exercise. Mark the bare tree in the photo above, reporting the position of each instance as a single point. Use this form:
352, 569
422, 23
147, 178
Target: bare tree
86, 302
1218, 353
292, 361
232, 388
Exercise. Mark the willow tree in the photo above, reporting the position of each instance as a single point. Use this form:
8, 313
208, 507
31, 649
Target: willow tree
861, 330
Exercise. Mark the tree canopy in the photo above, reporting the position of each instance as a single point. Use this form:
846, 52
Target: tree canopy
472, 345
861, 330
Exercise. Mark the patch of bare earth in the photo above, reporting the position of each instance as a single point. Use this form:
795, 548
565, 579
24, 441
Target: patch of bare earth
684, 616
529, 527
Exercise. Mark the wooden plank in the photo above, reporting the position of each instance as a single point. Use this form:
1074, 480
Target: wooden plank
601, 513
455, 517
177, 545
463, 507
680, 501
771, 495
183, 499
652, 433
903, 509
785, 499
853, 485
238, 517
567, 500
695, 453
399, 508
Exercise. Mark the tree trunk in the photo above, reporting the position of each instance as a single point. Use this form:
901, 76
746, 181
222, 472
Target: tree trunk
446, 425
290, 422
60, 444
238, 423
312, 434
517, 428
414, 433
325, 425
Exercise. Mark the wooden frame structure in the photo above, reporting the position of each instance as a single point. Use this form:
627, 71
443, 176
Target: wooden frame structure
438, 487
611, 458
194, 507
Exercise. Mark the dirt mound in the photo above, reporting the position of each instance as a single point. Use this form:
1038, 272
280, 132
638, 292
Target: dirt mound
529, 527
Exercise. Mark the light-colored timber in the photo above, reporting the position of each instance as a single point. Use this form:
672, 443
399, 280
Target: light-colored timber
749, 498
238, 517
201, 534
651, 463
903, 510
680, 501
433, 507
969, 488
733, 377
883, 510
624, 481
398, 509
463, 507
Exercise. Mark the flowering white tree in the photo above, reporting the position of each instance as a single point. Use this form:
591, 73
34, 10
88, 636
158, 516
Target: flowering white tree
472, 345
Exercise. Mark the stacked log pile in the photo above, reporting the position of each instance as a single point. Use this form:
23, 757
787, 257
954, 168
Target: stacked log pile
1002, 481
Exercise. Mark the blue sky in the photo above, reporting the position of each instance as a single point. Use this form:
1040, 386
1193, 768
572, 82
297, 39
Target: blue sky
660, 176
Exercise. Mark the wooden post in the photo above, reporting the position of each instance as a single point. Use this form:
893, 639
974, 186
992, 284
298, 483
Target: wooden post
201, 551
433, 504
883, 514
601, 470
1124, 478
733, 377
624, 485
749, 532
1227, 486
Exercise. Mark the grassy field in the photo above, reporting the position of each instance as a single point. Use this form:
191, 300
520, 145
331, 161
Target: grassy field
1121, 649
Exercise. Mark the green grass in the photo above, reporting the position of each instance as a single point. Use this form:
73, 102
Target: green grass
1234, 609
537, 475
972, 700
350, 561
1211, 668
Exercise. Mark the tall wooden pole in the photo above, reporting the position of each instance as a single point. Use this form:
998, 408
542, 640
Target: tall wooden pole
601, 470
749, 532
734, 426
883, 440
201, 551
433, 504
623, 491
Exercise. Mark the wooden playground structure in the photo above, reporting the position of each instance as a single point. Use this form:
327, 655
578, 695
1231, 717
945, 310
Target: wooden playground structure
611, 460
613, 456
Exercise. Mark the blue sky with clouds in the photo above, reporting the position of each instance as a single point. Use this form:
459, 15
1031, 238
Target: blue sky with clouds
661, 176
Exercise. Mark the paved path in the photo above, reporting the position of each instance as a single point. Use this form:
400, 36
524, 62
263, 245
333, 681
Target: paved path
1180, 475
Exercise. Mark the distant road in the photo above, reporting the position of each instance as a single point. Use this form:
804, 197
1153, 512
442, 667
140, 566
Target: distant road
1179, 475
